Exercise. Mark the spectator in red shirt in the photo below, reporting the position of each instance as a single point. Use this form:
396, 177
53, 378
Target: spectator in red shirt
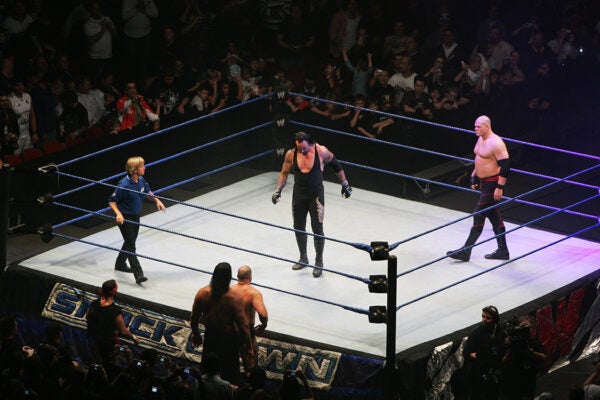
134, 111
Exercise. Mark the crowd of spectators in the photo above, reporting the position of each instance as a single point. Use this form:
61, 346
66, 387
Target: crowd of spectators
78, 70
50, 369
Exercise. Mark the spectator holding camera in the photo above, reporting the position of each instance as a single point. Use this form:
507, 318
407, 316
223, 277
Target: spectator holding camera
291, 389
523, 361
563, 46
137, 18
483, 354
100, 31
134, 111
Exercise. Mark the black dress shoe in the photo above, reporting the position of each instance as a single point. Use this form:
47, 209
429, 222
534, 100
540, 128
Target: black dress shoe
298, 266
123, 268
499, 254
140, 278
459, 254
317, 272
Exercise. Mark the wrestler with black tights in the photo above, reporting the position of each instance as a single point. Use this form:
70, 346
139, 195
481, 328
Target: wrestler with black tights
307, 160
492, 165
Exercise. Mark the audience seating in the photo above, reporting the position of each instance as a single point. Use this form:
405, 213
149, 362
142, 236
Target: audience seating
32, 153
74, 142
53, 146
93, 133
12, 159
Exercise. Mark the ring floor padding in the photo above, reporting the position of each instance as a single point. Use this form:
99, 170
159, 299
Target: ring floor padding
365, 217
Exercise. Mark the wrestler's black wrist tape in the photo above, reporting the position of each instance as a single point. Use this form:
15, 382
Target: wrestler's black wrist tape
499, 186
346, 190
276, 196
474, 180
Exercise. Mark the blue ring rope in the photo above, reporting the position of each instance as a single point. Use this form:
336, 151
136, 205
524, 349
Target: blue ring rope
392, 144
360, 246
159, 190
448, 185
161, 131
170, 157
363, 280
514, 199
502, 234
496, 267
354, 309
439, 125
435, 153
170, 200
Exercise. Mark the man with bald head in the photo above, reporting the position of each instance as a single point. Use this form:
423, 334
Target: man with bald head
492, 165
253, 304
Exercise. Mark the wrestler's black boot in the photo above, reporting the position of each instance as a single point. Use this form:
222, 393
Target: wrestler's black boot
501, 252
464, 254
319, 245
301, 241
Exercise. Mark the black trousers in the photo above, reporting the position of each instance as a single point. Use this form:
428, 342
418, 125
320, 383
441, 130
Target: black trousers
129, 231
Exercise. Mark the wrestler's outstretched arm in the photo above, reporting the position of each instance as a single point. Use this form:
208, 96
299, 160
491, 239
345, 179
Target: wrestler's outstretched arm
283, 175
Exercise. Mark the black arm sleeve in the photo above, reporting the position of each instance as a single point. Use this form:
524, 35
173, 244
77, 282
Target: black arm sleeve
504, 167
335, 164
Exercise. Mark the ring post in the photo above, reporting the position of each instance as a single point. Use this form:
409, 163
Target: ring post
390, 347
4, 210
386, 314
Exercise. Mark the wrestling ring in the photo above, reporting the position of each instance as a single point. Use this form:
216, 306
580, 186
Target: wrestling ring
224, 213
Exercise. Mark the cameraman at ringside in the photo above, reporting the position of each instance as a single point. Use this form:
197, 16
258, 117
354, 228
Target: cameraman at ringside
523, 360
483, 352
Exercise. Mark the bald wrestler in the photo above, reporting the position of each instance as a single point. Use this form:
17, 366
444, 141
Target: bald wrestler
253, 304
492, 165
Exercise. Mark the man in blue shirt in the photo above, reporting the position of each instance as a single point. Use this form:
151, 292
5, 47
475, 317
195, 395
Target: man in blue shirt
126, 202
